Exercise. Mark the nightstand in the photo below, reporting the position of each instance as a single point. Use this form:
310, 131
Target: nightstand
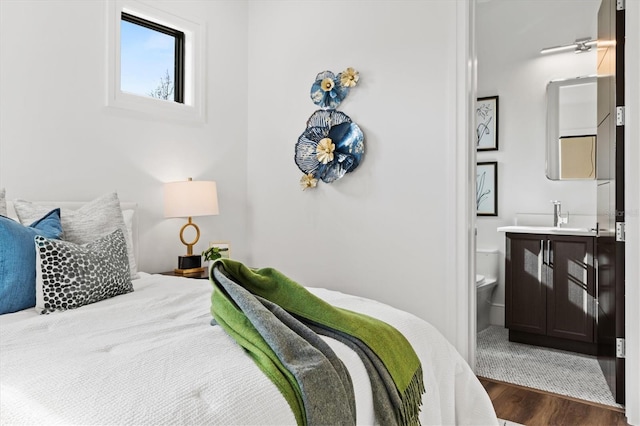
204, 275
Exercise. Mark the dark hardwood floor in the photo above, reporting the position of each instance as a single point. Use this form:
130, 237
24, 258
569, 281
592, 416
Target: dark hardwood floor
534, 407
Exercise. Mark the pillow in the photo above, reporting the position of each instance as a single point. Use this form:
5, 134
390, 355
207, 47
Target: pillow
128, 215
18, 260
3, 203
69, 275
91, 221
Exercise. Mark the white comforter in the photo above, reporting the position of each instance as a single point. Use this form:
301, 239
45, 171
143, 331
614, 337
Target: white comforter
151, 357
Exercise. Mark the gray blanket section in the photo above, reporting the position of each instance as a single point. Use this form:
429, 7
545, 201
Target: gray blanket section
316, 341
385, 394
327, 391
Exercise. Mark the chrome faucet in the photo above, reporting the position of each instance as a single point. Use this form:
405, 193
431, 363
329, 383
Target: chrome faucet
558, 220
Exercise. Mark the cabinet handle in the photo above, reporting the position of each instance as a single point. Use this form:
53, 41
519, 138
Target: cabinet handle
596, 300
546, 253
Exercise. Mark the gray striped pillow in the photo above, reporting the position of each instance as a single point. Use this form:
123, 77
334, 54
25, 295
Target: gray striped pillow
95, 219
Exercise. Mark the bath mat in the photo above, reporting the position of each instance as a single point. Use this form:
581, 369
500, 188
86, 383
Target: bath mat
565, 373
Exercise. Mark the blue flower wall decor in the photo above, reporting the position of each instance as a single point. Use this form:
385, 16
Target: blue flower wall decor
332, 144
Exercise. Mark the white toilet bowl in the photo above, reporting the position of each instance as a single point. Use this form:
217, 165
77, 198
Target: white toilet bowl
484, 291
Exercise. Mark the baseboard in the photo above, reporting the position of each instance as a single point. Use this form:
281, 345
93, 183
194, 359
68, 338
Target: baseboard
587, 348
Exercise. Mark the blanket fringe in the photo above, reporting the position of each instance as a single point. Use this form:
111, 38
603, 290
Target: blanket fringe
407, 414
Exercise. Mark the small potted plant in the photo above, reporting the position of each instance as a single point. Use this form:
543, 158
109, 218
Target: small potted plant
212, 253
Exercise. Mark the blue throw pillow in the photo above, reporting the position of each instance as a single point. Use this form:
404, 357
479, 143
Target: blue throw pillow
18, 259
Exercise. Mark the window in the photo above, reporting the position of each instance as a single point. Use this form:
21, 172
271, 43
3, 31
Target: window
156, 62
151, 59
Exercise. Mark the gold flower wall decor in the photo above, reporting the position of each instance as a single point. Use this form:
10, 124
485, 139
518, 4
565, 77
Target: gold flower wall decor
308, 181
349, 77
327, 84
324, 150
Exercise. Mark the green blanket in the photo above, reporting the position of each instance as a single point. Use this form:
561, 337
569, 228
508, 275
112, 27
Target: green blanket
262, 310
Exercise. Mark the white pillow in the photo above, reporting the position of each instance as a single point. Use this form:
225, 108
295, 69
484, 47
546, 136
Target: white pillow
95, 219
3, 203
128, 215
70, 275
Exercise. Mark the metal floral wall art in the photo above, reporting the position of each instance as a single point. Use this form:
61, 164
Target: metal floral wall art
332, 144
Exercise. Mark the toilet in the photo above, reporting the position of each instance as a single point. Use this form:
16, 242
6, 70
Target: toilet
484, 291
487, 271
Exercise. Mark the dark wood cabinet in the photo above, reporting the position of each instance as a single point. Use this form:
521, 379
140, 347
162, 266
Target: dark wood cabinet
525, 293
550, 291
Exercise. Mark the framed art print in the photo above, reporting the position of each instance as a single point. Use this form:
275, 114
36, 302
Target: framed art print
223, 246
487, 124
487, 188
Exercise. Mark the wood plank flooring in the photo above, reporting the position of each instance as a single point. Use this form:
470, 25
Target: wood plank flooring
534, 407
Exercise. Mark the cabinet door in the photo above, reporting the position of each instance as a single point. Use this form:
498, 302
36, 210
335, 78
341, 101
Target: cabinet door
525, 296
570, 298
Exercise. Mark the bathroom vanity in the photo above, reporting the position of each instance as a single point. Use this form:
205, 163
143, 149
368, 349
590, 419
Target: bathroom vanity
550, 287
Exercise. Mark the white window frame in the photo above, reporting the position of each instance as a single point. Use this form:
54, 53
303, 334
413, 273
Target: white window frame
193, 108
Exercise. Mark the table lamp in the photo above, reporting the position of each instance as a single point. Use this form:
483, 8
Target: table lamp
189, 199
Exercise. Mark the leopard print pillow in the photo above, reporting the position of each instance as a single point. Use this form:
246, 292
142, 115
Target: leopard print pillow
69, 275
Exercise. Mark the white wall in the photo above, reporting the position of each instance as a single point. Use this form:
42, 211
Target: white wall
58, 141
510, 66
383, 230
392, 209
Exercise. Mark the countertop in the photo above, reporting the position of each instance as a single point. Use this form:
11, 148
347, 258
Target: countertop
550, 230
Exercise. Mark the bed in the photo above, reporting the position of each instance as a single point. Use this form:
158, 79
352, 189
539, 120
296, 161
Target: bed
151, 356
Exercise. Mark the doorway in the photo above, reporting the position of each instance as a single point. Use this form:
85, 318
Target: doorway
516, 73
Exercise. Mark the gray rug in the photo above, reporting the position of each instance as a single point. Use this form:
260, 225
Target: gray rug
565, 373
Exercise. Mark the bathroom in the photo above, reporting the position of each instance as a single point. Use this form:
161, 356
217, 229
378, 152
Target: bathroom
512, 68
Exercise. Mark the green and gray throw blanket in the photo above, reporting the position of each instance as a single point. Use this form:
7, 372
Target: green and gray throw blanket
278, 322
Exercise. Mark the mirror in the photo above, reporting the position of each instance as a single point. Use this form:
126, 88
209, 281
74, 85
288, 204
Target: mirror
571, 128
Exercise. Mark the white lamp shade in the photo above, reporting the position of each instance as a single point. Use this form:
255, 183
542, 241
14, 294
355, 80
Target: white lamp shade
190, 198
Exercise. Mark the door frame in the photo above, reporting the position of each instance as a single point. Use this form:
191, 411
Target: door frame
611, 212
632, 206
464, 212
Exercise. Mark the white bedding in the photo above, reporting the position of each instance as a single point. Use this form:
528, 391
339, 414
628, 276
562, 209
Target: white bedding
151, 357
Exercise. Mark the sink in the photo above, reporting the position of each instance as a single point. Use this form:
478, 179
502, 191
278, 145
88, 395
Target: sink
548, 230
